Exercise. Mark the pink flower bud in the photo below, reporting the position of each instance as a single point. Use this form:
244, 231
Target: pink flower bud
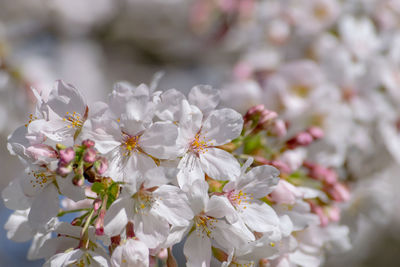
90, 155
316, 132
301, 139
99, 225
320, 212
339, 192
253, 111
88, 143
101, 165
67, 155
97, 204
267, 116
279, 128
321, 173
333, 213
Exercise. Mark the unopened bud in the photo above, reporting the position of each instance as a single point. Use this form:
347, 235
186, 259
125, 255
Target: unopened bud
316, 132
267, 116
96, 204
88, 143
253, 111
338, 192
66, 155
101, 165
99, 225
323, 218
90, 155
301, 139
279, 128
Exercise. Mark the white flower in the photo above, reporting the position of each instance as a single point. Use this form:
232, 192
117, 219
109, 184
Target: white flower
131, 253
151, 208
202, 155
242, 198
209, 226
127, 134
63, 112
42, 186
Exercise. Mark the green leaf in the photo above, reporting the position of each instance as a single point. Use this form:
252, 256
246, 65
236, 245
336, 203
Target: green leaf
98, 188
112, 193
252, 143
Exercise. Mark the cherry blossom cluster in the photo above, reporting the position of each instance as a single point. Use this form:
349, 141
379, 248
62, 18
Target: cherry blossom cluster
120, 183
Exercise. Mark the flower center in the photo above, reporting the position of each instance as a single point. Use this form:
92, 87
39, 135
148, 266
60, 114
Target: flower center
204, 224
239, 198
31, 118
40, 178
144, 201
74, 120
131, 144
199, 144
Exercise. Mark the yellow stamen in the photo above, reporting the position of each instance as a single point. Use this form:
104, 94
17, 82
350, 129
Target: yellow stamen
74, 120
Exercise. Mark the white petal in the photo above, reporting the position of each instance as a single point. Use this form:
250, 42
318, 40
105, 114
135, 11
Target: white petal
197, 250
64, 228
189, 171
259, 181
13, 196
68, 189
56, 245
260, 217
219, 206
285, 225
222, 126
66, 98
116, 217
169, 107
37, 243
198, 196
189, 122
151, 229
176, 235
160, 140
45, 206
204, 97
219, 164
102, 259
17, 227
137, 115
172, 205
231, 236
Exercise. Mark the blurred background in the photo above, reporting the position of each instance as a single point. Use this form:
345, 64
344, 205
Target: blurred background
331, 63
